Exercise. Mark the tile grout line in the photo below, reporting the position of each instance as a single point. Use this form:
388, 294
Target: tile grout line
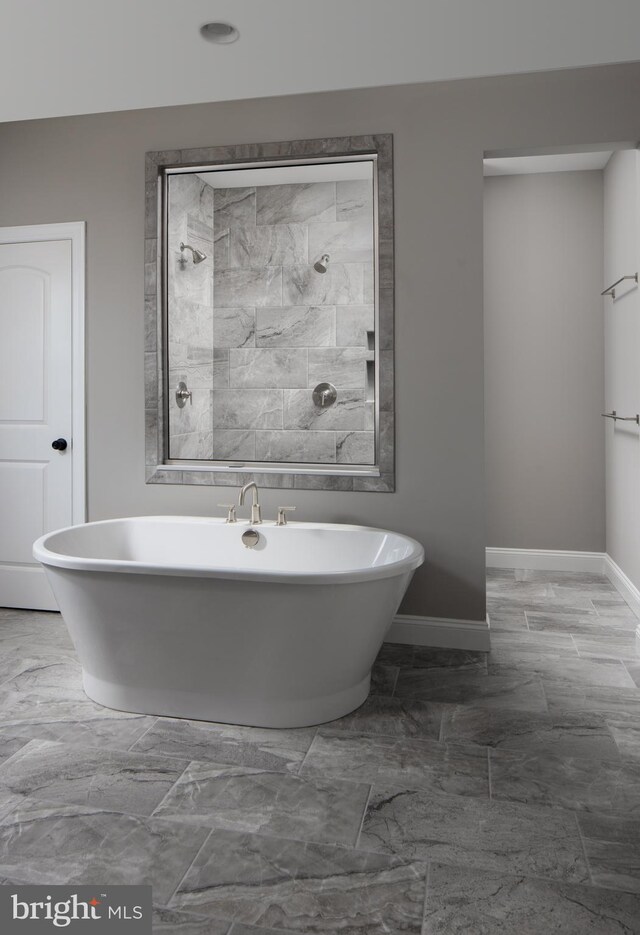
143, 734
489, 773
185, 874
584, 850
356, 845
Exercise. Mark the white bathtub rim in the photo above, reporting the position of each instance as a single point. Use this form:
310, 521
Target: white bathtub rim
409, 563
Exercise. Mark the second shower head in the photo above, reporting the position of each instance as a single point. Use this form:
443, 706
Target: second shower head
321, 265
198, 255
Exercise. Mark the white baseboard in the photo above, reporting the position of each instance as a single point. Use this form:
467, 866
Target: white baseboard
546, 560
440, 631
623, 585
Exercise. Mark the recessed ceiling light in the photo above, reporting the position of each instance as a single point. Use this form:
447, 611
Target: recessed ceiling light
222, 33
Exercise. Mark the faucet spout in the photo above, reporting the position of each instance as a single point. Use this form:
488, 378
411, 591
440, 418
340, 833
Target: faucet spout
256, 516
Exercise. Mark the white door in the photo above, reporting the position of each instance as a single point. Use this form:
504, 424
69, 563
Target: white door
36, 480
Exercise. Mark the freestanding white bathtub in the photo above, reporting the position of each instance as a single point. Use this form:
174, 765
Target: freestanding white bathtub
175, 616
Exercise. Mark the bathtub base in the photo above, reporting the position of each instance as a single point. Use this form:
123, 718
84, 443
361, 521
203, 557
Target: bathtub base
250, 712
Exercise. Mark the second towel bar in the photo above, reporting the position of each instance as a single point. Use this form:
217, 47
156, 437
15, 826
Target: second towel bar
616, 418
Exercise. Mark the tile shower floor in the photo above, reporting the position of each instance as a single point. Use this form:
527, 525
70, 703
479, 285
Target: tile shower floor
470, 793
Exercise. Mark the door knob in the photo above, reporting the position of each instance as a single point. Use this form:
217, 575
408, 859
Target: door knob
59, 444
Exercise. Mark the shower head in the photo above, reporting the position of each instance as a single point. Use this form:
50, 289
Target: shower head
321, 265
198, 255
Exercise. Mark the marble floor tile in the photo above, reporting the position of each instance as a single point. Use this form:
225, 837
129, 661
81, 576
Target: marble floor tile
45, 671
612, 607
307, 888
128, 782
465, 900
278, 804
117, 733
624, 646
594, 591
171, 922
502, 836
66, 844
621, 704
521, 590
581, 580
612, 846
603, 672
555, 644
239, 928
507, 621
260, 748
383, 679
521, 692
395, 654
626, 735
592, 625
45, 706
394, 717
10, 745
430, 657
634, 672
414, 764
608, 786
578, 605
538, 734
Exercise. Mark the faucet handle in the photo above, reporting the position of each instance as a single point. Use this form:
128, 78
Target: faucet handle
282, 514
231, 515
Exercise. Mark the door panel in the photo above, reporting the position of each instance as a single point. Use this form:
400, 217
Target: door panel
35, 408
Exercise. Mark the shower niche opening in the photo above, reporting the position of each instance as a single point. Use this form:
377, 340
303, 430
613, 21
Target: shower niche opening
269, 285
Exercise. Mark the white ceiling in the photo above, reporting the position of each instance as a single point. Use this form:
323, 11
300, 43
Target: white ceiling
80, 56
561, 162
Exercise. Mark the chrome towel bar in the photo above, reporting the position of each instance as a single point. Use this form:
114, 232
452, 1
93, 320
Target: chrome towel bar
616, 418
611, 290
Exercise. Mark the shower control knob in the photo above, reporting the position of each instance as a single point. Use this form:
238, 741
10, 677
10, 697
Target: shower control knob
59, 444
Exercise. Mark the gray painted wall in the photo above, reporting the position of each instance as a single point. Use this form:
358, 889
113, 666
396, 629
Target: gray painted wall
92, 168
622, 346
544, 360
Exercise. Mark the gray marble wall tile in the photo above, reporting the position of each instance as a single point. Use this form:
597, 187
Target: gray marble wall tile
194, 365
352, 324
162, 157
344, 241
461, 899
189, 281
368, 288
355, 447
150, 266
246, 287
132, 783
505, 837
241, 798
44, 843
296, 446
191, 324
278, 245
260, 748
303, 887
354, 200
195, 416
196, 446
221, 250
342, 366
233, 206
297, 203
234, 445
220, 368
247, 409
297, 326
413, 764
342, 284
268, 368
150, 323
320, 482
234, 327
300, 411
